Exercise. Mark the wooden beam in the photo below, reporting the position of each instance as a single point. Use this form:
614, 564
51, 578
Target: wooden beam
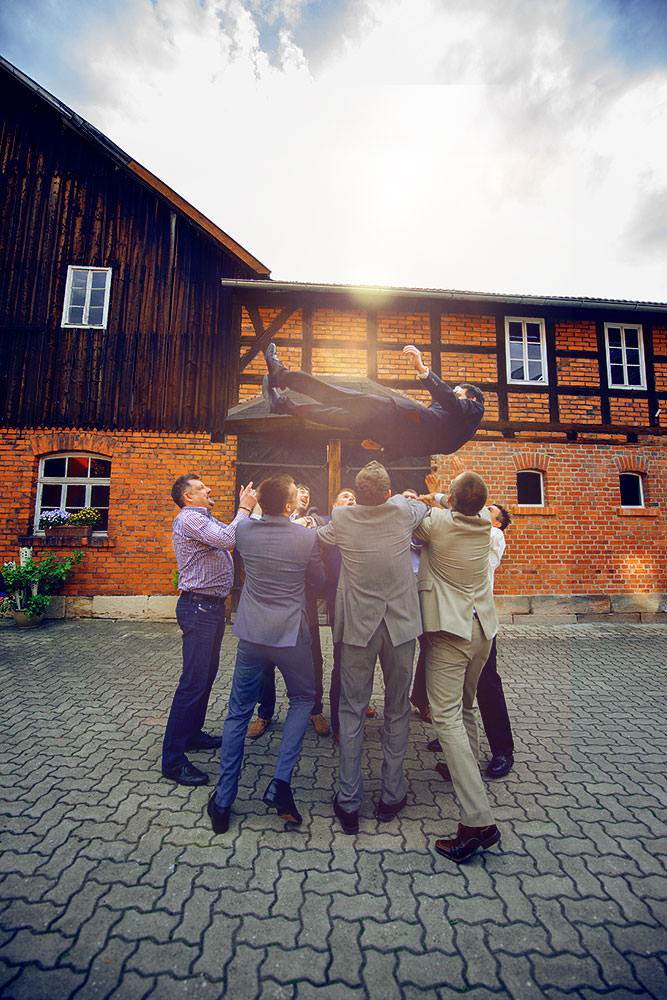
264, 336
334, 460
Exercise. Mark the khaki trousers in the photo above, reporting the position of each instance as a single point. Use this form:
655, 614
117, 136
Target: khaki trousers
453, 666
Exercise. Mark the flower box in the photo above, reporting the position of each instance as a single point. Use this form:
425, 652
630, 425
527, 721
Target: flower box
74, 531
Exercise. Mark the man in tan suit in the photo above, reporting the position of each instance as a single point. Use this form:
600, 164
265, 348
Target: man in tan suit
460, 622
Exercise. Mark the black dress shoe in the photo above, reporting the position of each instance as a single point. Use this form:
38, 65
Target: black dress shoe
188, 774
275, 366
500, 765
385, 813
204, 741
468, 840
279, 796
443, 770
277, 402
434, 746
348, 820
219, 817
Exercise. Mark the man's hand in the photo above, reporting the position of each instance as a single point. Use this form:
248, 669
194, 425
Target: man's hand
431, 481
414, 356
428, 499
247, 497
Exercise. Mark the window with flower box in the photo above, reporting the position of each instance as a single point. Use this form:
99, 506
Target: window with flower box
71, 481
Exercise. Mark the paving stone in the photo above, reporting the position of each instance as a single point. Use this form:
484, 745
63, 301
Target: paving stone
346, 956
33, 983
306, 964
217, 947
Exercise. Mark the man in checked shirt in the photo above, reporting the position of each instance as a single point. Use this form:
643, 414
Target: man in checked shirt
205, 575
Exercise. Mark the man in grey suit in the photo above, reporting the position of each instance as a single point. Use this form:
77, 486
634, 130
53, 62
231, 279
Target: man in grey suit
376, 614
272, 627
460, 622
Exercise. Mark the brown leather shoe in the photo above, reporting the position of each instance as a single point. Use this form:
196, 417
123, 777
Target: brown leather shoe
370, 712
320, 725
424, 711
258, 727
443, 770
468, 840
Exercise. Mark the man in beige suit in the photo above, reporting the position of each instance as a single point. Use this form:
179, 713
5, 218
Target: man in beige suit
460, 622
377, 614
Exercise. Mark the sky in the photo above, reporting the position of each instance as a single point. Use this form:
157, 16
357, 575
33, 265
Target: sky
508, 146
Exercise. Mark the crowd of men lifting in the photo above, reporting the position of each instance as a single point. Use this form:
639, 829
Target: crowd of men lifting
394, 569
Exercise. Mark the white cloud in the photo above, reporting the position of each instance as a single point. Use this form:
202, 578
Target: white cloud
459, 144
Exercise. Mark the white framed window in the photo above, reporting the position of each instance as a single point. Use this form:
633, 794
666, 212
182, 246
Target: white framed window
526, 350
632, 489
71, 481
625, 356
530, 488
87, 297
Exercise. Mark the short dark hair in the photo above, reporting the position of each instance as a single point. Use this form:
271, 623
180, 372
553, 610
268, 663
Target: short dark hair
273, 493
181, 486
468, 493
303, 486
371, 485
504, 516
473, 391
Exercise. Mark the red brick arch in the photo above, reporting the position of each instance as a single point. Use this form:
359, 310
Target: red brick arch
538, 460
632, 463
89, 441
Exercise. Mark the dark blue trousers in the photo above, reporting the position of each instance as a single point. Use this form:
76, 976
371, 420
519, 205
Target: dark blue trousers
202, 623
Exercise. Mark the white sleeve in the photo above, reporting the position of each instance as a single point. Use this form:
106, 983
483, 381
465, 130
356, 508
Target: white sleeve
496, 552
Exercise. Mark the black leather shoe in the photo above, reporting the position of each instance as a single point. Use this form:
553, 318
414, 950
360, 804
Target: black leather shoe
348, 820
279, 796
204, 741
188, 774
275, 366
468, 840
385, 813
219, 817
443, 770
277, 403
434, 746
500, 765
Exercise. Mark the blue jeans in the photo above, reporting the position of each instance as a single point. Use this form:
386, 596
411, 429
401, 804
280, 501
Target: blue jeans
296, 665
202, 623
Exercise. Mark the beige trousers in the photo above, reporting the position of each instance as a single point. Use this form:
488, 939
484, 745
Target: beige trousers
453, 666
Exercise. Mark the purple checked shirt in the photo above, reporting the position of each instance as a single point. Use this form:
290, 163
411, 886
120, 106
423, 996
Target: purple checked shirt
203, 551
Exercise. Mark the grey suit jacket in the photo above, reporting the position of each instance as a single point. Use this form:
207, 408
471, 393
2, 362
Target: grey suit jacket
453, 577
376, 579
280, 558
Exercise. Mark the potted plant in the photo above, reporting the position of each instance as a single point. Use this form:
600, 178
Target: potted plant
30, 587
63, 524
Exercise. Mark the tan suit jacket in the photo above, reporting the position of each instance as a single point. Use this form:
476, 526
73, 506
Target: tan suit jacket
453, 579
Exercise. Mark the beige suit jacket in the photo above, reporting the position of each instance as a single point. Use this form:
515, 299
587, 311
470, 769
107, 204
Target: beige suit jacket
453, 579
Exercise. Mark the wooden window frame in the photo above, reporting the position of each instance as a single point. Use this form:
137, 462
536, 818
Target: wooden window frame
87, 481
72, 269
637, 327
523, 320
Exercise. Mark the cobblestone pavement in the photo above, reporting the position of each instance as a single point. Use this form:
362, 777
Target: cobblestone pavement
113, 885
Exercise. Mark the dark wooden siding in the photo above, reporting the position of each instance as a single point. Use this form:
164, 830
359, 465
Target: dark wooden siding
168, 359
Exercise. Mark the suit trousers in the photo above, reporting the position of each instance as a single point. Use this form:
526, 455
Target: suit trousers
202, 623
296, 665
453, 666
493, 707
357, 669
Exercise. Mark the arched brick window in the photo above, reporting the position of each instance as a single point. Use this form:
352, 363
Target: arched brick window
530, 488
72, 480
632, 489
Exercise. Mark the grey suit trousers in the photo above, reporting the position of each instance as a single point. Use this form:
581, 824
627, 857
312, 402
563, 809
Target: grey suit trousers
357, 669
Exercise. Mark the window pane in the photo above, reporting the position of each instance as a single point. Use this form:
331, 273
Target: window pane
516, 331
533, 333
516, 371
95, 316
97, 297
535, 371
632, 356
534, 352
99, 279
617, 376
75, 316
79, 278
50, 496
529, 487
54, 467
99, 496
99, 468
632, 338
614, 335
76, 497
103, 522
615, 356
77, 467
631, 490
634, 376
